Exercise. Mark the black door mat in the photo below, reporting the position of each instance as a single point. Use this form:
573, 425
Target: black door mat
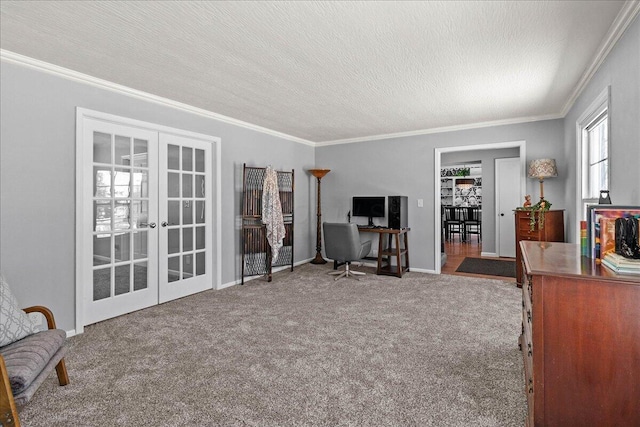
490, 267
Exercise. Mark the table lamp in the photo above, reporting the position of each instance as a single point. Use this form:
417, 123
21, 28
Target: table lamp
541, 169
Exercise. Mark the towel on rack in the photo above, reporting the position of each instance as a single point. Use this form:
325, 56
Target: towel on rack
272, 213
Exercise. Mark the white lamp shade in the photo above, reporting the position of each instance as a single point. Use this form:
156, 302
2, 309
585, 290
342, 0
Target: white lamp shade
543, 168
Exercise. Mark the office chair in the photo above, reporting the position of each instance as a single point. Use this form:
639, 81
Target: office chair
342, 244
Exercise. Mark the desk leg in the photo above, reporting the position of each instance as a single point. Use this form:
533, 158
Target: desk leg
406, 248
380, 243
398, 254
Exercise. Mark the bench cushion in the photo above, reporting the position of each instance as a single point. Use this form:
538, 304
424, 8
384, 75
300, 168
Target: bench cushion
25, 359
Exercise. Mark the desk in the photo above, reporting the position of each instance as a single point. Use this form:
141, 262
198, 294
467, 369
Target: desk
394, 249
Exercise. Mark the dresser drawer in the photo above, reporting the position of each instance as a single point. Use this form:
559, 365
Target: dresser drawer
527, 355
526, 346
524, 227
527, 296
530, 402
529, 237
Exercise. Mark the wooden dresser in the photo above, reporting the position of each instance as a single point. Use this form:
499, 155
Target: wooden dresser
552, 231
580, 339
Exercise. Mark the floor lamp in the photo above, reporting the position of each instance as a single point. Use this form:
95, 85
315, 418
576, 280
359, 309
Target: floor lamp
319, 173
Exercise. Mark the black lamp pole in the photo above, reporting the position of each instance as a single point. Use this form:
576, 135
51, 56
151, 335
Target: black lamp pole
319, 173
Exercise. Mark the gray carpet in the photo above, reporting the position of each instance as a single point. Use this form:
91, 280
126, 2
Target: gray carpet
490, 267
304, 350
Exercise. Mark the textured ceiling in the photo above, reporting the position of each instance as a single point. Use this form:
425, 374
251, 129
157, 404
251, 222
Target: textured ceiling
325, 71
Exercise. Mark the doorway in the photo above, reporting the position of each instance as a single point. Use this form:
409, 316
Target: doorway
489, 216
461, 192
145, 209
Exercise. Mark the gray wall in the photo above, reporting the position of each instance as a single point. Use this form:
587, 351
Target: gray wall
487, 159
37, 169
621, 71
37, 180
405, 166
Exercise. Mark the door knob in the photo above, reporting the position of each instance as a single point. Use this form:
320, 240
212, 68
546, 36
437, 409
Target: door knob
151, 224
164, 223
501, 214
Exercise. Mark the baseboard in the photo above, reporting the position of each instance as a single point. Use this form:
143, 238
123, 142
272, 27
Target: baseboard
71, 333
229, 284
422, 270
489, 254
275, 270
375, 265
369, 264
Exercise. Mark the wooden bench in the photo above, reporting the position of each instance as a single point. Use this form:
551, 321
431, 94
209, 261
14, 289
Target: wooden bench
26, 363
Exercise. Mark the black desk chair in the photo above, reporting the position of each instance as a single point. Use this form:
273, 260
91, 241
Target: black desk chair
453, 222
472, 223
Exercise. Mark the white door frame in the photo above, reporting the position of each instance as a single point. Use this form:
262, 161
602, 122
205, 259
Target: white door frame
436, 199
81, 252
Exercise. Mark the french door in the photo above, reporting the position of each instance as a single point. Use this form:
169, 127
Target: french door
145, 218
185, 209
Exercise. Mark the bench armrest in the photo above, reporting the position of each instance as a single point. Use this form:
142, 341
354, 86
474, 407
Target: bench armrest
51, 323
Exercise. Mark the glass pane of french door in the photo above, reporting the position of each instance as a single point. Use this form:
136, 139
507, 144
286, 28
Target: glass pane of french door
121, 275
185, 245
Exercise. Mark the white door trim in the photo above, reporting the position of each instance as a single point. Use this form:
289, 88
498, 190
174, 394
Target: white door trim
436, 199
81, 251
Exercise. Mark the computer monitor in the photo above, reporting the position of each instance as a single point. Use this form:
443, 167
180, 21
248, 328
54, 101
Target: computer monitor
370, 207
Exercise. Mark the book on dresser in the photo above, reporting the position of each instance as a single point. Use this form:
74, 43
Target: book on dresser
620, 264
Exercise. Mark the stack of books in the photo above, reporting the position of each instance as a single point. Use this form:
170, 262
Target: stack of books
620, 264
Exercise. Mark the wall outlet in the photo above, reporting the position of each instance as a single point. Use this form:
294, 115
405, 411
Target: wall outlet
420, 203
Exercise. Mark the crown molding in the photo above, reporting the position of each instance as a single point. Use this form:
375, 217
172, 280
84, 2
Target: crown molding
442, 129
625, 17
15, 58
